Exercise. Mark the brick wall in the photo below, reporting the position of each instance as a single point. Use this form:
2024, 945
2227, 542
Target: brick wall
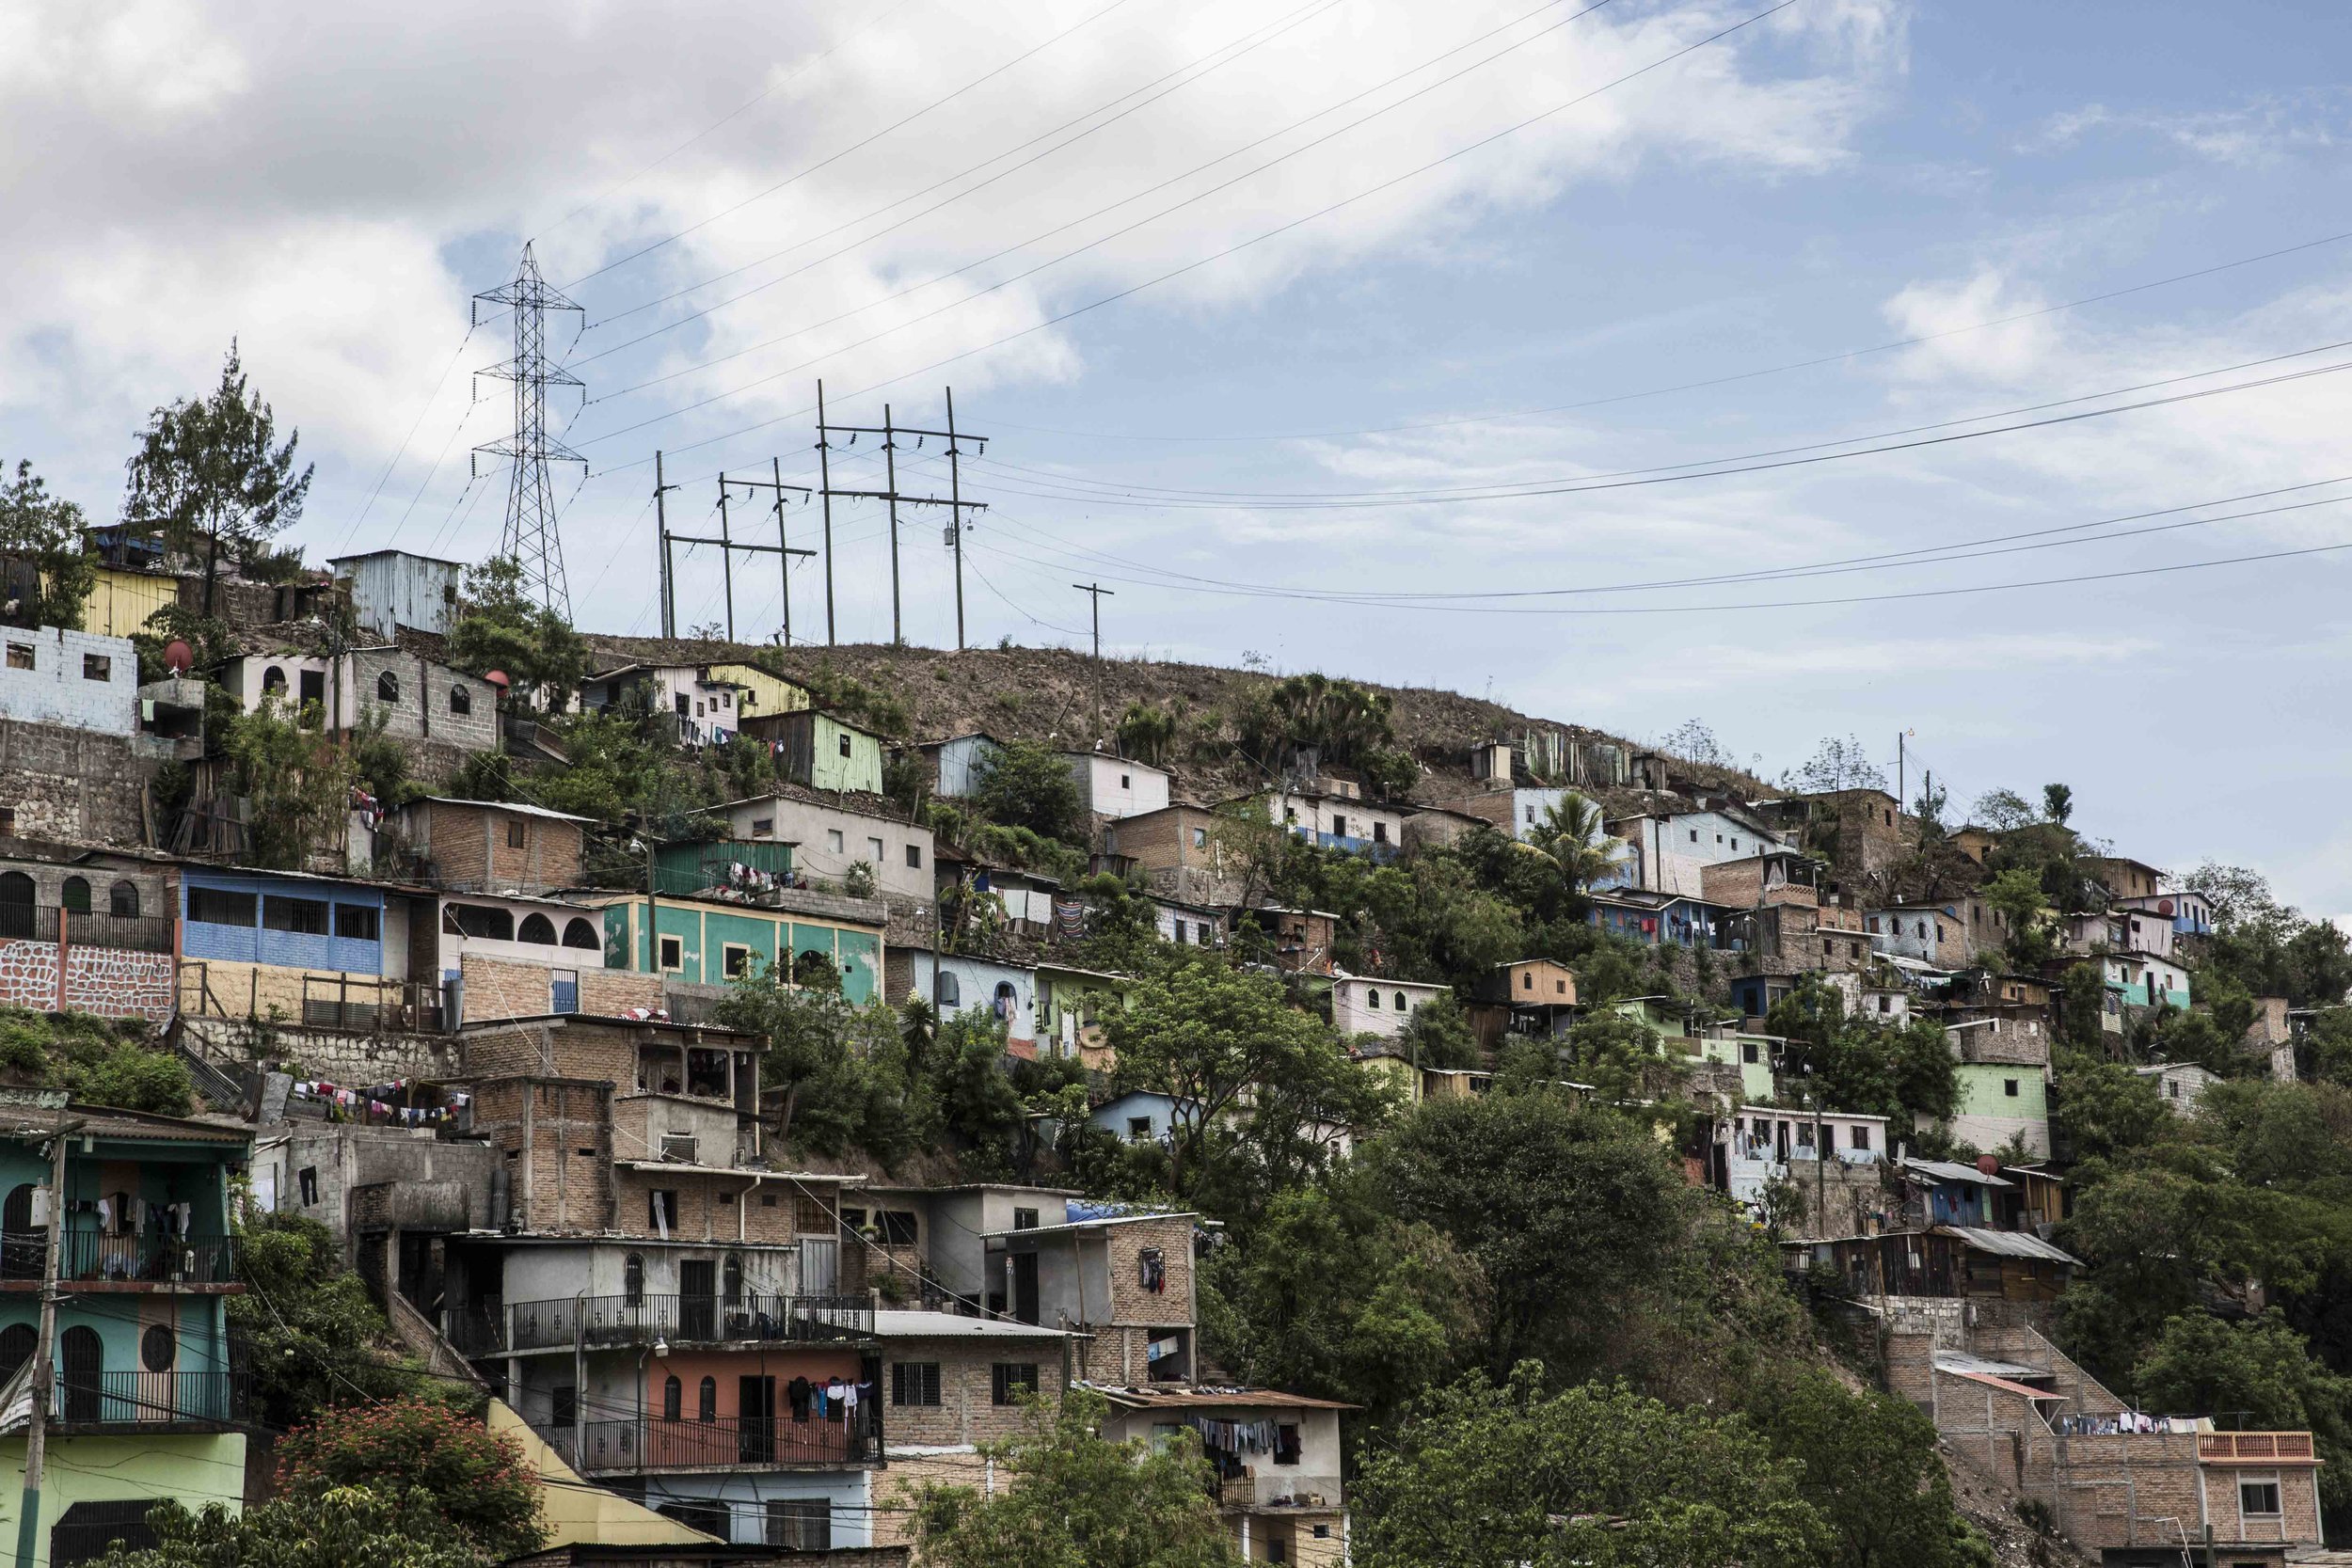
499, 988
73, 784
1131, 1304
592, 1051
335, 1055
470, 850
553, 1140
896, 1488
967, 1412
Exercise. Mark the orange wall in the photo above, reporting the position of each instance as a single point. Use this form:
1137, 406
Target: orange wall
782, 1362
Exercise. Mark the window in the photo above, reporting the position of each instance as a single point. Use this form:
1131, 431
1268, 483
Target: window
797, 1525
673, 954
1138, 1128
1695, 836
1373, 997
563, 990
1527, 980
2257, 1495
74, 895
356, 921
1025, 1219
158, 1348
732, 1275
2172, 1088
949, 991
1859, 1137
914, 1382
1339, 825
874, 851
1009, 1380
1560, 987
460, 700
2009, 1087
579, 933
272, 679
478, 920
1748, 1053
914, 857
1396, 1001
633, 1278
1734, 841
662, 1209
763, 826
16, 1347
98, 667
123, 899
673, 1398
1286, 1444
213, 906
21, 657
302, 916
1201, 838
844, 745
1125, 781
388, 688
538, 928
734, 960
515, 835
832, 841
707, 1400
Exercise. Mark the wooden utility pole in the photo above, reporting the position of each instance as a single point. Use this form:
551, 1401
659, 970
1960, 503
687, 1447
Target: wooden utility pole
44, 1341
955, 514
890, 485
662, 534
1096, 591
727, 546
824, 478
890, 430
726, 555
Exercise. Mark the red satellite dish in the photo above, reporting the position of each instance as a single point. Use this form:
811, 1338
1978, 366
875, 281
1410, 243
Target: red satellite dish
497, 678
178, 657
1987, 1165
2164, 906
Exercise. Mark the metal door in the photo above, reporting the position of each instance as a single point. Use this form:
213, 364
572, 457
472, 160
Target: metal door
698, 1300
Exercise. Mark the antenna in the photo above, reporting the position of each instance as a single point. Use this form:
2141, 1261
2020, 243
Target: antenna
530, 536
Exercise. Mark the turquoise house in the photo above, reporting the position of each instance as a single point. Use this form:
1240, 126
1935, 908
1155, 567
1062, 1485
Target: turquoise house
144, 1403
2142, 980
708, 941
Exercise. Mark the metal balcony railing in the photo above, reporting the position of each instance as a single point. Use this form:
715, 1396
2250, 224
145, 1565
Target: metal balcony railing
137, 933
656, 1443
93, 1255
148, 1399
616, 1321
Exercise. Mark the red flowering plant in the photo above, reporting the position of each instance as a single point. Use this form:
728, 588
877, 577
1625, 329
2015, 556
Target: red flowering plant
420, 1447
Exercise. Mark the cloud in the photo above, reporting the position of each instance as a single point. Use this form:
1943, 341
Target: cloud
2260, 132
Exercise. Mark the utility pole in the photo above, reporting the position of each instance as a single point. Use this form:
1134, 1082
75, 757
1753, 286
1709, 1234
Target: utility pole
728, 548
530, 536
1096, 590
726, 554
1901, 735
890, 430
661, 532
44, 1341
780, 549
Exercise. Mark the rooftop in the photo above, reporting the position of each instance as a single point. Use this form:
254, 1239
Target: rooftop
1207, 1396
516, 807
955, 1326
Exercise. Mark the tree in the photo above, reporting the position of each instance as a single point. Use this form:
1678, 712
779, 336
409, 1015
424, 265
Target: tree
1145, 731
1867, 1462
309, 1324
2003, 811
2058, 803
1836, 765
1438, 1035
2016, 896
1593, 1475
1025, 785
343, 1526
2259, 1375
211, 472
1205, 1035
45, 533
295, 780
501, 629
1856, 1063
2107, 1108
1065, 1498
420, 1450
844, 1070
1572, 835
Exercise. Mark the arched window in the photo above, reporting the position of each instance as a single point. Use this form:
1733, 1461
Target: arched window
1006, 999
1399, 1001
460, 700
22, 1245
579, 933
673, 1398
158, 1348
84, 1360
950, 990
74, 895
707, 1400
16, 1347
633, 1278
1372, 997
272, 679
388, 688
123, 899
538, 928
15, 888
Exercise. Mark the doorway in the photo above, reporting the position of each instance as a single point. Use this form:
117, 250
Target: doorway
756, 1439
1024, 1287
85, 1373
698, 1300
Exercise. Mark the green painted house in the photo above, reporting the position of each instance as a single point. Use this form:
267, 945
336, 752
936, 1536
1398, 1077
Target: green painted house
710, 941
2001, 1103
144, 1404
1751, 1054
1072, 1005
818, 751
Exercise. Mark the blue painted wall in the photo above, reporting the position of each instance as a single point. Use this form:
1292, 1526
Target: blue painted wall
257, 943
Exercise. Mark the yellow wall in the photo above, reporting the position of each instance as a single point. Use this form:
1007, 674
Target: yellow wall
580, 1515
768, 693
119, 602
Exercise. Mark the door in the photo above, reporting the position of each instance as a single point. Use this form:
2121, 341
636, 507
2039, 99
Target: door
23, 1246
85, 1373
820, 1265
314, 686
1024, 1287
756, 1438
698, 1300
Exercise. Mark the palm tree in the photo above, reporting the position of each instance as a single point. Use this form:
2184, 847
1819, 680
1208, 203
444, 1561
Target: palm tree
1572, 835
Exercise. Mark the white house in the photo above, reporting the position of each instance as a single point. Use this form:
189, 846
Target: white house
827, 840
2180, 1084
1115, 786
1670, 850
1362, 1006
54, 676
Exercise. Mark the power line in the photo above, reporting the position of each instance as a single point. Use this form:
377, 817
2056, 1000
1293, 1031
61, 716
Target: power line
401, 450
1125, 201
1205, 261
1083, 22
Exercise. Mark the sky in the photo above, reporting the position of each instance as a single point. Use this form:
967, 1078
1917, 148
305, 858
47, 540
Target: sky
1858, 367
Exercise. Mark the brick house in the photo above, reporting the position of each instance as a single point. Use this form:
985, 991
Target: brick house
1124, 1278
1274, 1459
490, 845
1183, 851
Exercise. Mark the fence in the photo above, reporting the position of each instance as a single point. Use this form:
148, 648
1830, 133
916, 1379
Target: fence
148, 1399
658, 1443
136, 933
611, 1322
121, 1256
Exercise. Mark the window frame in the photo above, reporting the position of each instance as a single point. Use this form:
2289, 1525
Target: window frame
1006, 1377
914, 1384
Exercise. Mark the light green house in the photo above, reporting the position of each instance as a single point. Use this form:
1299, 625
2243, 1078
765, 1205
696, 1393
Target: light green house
1751, 1054
1072, 1005
145, 1404
2001, 1103
818, 751
708, 941
2142, 980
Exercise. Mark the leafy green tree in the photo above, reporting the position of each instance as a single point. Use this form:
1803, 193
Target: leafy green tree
1438, 1035
1867, 1463
498, 627
1592, 1476
1065, 1498
2002, 810
2081, 1008
1572, 835
2016, 896
1145, 731
135, 1078
211, 472
842, 1067
344, 1527
1853, 1064
2259, 1375
2058, 803
296, 781
422, 1450
310, 1326
46, 532
1206, 1035
2107, 1109
1836, 765
1025, 785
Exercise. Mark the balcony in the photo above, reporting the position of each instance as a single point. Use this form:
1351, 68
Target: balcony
95, 1402
769, 1443
1277, 1489
615, 1323
2255, 1448
105, 1257
133, 933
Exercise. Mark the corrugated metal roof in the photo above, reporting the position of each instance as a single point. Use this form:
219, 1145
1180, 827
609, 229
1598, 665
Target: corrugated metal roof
1952, 1170
1181, 1396
955, 1326
1961, 1361
518, 807
2005, 1386
2009, 1243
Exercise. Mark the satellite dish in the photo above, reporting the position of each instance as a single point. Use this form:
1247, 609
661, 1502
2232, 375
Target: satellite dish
178, 657
497, 679
1987, 1165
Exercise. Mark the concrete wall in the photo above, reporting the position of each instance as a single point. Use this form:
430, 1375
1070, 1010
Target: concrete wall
1362, 1006
1115, 786
334, 1055
426, 701
1987, 1113
73, 678
831, 839
341, 1156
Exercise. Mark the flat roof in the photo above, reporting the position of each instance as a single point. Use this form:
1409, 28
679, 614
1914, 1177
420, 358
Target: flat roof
1099, 1223
518, 807
955, 1326
741, 1170
1207, 1396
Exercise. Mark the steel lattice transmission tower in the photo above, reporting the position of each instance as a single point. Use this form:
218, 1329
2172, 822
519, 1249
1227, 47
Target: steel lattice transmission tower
531, 535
